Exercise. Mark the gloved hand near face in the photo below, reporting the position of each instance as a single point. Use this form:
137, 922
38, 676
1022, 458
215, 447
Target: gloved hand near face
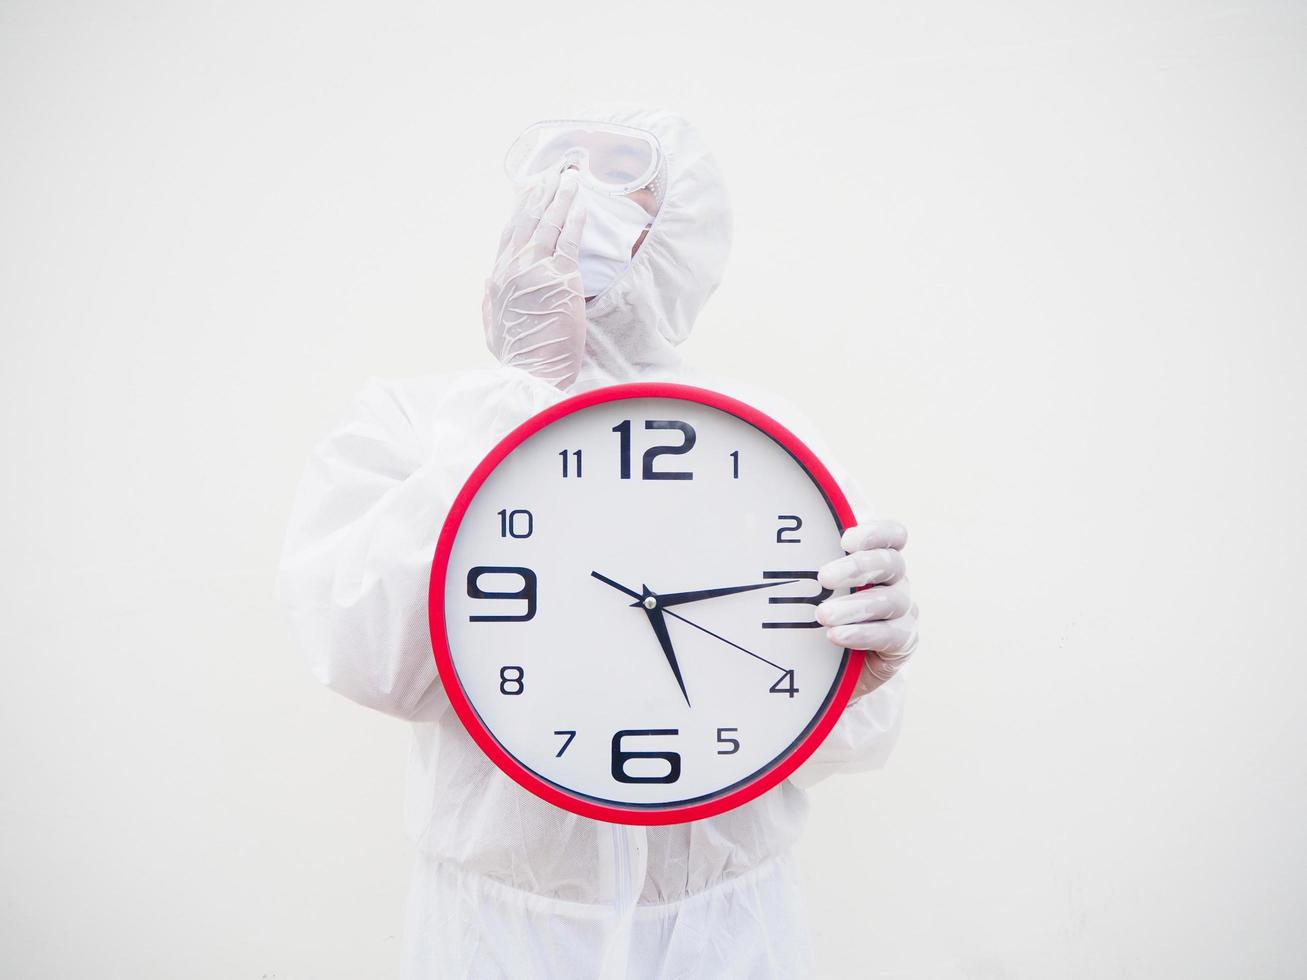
534, 307
881, 619
572, 237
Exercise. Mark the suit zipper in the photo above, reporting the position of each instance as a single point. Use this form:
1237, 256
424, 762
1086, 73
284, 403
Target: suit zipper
621, 867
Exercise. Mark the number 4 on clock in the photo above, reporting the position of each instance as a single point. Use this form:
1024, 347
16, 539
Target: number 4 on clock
785, 684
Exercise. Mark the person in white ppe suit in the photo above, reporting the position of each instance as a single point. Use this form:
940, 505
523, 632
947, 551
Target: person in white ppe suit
620, 236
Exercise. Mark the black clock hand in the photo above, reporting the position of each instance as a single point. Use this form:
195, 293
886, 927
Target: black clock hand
618, 586
659, 625
677, 598
649, 603
723, 639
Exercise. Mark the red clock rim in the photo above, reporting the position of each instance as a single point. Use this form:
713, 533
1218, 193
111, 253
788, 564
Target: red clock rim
488, 744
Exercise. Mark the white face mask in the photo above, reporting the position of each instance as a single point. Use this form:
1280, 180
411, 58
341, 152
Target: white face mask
613, 224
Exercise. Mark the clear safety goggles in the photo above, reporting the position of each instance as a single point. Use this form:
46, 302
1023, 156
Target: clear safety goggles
613, 159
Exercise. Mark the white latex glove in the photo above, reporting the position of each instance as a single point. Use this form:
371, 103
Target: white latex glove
881, 619
533, 311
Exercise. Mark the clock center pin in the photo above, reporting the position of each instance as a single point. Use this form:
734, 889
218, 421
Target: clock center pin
650, 602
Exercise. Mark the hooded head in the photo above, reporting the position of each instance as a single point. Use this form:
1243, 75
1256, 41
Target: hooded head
634, 325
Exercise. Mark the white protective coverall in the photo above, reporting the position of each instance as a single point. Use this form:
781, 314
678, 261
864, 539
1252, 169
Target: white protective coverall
507, 885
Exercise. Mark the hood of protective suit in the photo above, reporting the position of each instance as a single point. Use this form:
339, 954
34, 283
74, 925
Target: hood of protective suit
634, 326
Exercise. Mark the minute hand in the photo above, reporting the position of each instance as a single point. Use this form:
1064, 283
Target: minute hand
677, 598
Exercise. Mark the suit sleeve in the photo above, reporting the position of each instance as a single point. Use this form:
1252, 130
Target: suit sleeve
356, 561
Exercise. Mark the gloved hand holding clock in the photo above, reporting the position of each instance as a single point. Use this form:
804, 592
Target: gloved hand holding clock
881, 618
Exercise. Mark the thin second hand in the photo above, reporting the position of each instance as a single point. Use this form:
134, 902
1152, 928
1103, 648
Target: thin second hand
723, 639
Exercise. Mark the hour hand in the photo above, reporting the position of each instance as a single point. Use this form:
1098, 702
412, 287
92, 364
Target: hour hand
649, 602
659, 624
676, 598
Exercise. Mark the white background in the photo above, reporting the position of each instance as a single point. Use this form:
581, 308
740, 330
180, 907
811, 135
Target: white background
1037, 268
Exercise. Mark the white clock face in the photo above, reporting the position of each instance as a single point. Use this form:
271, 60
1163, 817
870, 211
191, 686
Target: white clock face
628, 606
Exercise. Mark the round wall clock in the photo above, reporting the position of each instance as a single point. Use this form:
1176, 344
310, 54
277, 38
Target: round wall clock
622, 604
